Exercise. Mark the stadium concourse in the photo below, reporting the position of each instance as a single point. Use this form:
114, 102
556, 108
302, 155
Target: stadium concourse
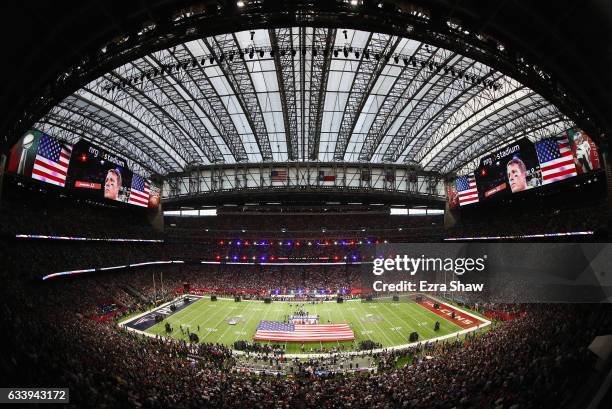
191, 192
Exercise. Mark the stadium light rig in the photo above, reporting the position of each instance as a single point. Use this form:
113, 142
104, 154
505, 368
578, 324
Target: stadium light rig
260, 51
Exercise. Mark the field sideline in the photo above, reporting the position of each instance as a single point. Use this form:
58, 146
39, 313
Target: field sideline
383, 321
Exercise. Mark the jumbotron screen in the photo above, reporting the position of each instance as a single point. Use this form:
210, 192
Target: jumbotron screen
83, 166
525, 165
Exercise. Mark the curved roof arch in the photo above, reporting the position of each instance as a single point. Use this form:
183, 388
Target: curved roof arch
303, 94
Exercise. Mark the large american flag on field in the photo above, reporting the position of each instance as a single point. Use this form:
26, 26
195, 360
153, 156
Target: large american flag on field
466, 190
556, 160
51, 162
282, 331
139, 193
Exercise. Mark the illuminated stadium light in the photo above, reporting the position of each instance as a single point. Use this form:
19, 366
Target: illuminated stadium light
68, 273
523, 236
38, 236
91, 270
398, 211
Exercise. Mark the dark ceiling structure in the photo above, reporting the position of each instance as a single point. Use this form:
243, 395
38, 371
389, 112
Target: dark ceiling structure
434, 84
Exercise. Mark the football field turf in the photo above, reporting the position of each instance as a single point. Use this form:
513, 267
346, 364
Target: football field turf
384, 321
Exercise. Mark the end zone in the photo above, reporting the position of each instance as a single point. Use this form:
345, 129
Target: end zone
458, 317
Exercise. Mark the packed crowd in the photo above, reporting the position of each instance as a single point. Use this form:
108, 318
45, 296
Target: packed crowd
533, 361
154, 283
537, 359
282, 250
537, 220
31, 209
349, 225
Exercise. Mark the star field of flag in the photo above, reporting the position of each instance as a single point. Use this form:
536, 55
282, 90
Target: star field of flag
466, 190
49, 148
547, 150
138, 183
462, 184
275, 326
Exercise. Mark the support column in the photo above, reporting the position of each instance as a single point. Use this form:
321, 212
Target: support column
451, 216
155, 216
2, 168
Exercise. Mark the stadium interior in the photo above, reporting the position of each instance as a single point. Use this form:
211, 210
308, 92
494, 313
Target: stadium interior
192, 191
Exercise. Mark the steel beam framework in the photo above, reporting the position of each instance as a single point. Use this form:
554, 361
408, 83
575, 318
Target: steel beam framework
237, 74
303, 177
322, 40
282, 42
200, 103
381, 49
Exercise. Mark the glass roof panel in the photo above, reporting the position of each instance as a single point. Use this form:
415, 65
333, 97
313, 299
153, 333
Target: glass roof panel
396, 101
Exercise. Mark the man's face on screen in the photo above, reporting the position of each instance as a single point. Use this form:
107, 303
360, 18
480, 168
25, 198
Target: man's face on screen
111, 186
517, 178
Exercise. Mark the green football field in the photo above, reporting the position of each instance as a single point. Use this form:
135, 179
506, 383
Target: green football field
386, 322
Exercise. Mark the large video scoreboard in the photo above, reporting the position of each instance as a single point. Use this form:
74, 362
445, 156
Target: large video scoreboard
524, 165
84, 167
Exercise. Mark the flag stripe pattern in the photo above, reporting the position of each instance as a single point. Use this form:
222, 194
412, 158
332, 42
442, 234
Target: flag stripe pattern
139, 192
466, 190
282, 331
556, 159
278, 175
326, 177
51, 162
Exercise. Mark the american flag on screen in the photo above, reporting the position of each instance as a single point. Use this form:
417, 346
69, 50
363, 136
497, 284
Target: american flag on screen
139, 193
466, 190
556, 160
281, 331
51, 162
278, 175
